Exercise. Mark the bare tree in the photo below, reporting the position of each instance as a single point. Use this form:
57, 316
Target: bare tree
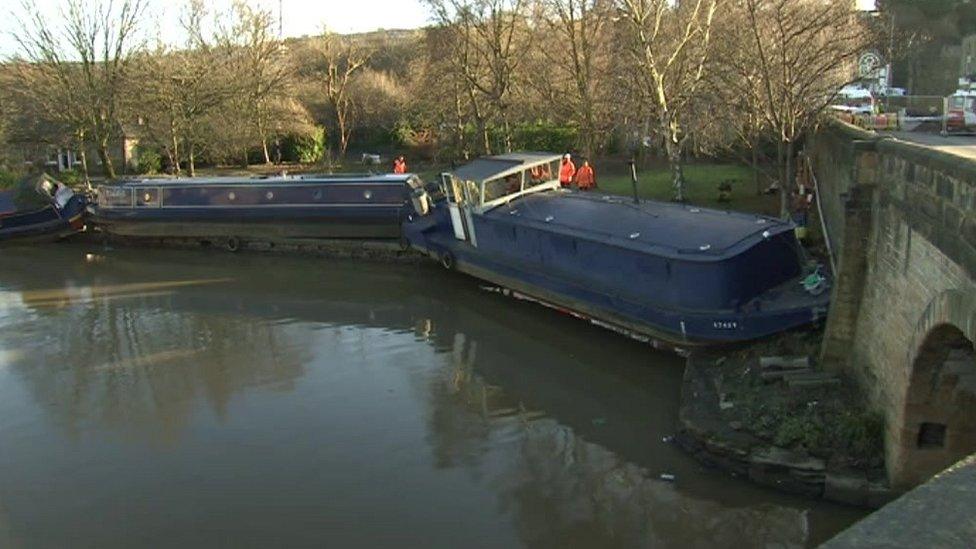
580, 65
179, 89
263, 72
670, 43
79, 66
798, 55
342, 59
490, 42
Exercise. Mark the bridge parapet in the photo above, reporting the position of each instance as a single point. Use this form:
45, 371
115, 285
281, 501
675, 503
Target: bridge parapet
902, 218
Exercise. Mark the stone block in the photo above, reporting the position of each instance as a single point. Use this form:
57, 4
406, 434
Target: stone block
952, 217
945, 187
846, 486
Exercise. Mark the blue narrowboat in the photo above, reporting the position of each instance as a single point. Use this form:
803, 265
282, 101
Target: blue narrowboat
240, 208
43, 210
666, 273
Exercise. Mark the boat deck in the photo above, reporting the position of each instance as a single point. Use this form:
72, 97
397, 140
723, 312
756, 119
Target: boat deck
666, 229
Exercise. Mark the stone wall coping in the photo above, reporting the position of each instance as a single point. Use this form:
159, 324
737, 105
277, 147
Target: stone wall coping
961, 167
851, 131
938, 513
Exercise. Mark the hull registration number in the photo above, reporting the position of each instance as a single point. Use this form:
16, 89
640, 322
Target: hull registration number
725, 325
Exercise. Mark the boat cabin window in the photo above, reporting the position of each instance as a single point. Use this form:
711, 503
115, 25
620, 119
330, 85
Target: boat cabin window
497, 188
542, 173
518, 182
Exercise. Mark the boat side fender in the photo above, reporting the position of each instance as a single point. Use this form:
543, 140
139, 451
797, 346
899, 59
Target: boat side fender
233, 244
448, 261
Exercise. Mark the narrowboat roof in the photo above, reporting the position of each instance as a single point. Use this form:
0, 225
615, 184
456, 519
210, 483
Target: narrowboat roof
491, 167
661, 228
276, 179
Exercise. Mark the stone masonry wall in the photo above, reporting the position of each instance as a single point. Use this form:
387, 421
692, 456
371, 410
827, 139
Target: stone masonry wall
903, 221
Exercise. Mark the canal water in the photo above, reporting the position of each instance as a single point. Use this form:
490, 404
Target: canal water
154, 398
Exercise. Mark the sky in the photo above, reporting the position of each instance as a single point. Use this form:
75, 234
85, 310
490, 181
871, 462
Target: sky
299, 17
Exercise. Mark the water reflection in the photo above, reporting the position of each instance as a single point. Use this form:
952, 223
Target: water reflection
346, 390
567, 491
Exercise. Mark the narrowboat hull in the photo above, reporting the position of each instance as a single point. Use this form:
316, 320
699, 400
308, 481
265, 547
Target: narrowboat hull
326, 207
559, 277
44, 225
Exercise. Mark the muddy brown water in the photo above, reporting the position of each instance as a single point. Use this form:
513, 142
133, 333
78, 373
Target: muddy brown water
159, 398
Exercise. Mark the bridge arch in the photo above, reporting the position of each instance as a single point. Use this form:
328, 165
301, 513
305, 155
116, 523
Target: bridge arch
936, 424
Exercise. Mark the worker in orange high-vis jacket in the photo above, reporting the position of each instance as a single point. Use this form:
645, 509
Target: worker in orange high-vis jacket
400, 165
586, 177
567, 171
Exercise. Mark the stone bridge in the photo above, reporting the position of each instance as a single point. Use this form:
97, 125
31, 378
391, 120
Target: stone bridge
902, 221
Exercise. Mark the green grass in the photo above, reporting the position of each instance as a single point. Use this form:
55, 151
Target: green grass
701, 186
8, 179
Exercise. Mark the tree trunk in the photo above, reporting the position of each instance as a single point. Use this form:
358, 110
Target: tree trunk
106, 158
677, 171
244, 159
672, 145
788, 183
191, 160
264, 149
755, 167
343, 130
459, 125
175, 154
507, 128
84, 165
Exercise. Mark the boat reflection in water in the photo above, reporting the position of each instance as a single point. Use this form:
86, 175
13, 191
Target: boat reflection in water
163, 399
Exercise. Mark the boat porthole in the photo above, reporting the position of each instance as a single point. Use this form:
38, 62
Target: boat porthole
368, 195
270, 195
147, 197
232, 196
447, 261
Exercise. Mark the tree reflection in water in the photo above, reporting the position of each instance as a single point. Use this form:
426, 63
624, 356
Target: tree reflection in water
564, 490
558, 422
127, 357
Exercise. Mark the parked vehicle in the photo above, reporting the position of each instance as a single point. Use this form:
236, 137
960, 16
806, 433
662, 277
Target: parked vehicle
854, 100
961, 112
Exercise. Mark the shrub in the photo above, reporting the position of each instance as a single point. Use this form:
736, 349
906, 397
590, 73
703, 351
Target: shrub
306, 149
70, 178
545, 136
861, 435
7, 179
148, 160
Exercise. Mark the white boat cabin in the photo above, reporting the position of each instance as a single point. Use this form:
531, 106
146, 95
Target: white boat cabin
492, 181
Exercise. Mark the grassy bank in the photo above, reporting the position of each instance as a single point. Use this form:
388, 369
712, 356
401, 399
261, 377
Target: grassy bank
701, 188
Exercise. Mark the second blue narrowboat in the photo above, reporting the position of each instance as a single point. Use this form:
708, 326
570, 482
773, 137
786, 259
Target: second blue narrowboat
668, 273
287, 206
40, 210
